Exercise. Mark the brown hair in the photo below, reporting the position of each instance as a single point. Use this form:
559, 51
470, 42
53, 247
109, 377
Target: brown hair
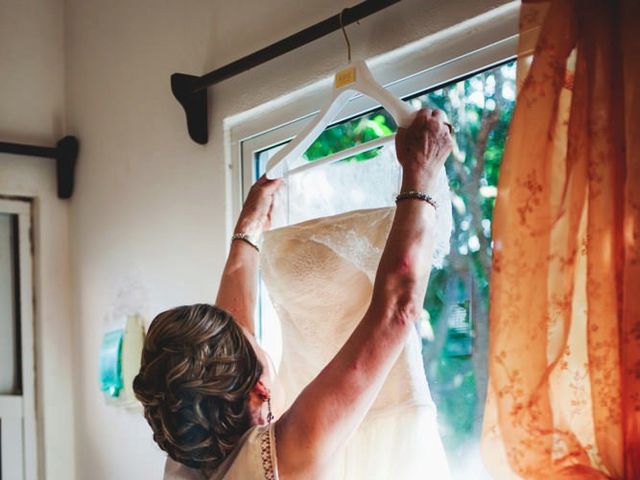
197, 371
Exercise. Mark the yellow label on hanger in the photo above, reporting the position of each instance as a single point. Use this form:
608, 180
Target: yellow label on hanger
345, 77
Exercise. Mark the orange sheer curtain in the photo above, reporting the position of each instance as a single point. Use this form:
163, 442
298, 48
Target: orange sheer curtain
564, 355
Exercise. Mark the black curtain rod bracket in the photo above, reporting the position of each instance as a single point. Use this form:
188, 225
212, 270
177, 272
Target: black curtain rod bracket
65, 154
191, 90
194, 103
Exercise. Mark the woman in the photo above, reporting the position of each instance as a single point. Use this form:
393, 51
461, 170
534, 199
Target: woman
211, 394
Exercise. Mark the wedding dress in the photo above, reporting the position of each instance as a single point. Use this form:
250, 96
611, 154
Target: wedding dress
319, 273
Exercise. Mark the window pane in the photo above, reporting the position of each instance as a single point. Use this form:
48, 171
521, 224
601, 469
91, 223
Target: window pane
9, 332
454, 327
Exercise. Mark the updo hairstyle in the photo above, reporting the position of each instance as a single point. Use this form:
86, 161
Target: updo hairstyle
197, 371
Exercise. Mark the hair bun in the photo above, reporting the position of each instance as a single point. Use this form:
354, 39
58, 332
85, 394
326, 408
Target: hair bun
197, 370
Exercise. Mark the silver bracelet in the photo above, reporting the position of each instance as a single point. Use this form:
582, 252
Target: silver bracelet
245, 238
411, 195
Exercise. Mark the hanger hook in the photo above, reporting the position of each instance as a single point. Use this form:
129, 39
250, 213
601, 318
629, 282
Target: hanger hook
346, 37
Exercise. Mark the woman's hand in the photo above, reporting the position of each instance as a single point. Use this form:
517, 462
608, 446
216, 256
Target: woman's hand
255, 217
422, 149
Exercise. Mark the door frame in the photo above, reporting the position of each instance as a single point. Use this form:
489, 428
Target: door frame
25, 404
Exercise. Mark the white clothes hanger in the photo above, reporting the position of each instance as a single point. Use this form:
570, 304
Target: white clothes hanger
356, 77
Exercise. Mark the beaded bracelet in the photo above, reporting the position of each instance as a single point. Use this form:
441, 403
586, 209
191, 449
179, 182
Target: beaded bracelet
411, 195
245, 238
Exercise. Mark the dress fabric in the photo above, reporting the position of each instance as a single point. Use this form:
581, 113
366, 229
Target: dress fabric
319, 275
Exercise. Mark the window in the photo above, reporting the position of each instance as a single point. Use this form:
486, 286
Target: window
478, 93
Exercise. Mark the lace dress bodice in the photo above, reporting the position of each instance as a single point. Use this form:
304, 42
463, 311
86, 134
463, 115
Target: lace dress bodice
320, 277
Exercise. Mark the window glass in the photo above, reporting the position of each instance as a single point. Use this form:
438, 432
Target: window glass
10, 377
454, 326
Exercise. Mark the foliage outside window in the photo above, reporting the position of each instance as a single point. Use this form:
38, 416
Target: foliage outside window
454, 327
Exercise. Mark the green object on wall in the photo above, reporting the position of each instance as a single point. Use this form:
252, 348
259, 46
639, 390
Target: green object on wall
111, 363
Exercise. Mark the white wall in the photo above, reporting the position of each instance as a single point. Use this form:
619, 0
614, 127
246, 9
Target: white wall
148, 221
32, 111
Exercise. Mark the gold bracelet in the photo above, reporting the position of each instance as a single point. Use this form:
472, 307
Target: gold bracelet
245, 238
411, 195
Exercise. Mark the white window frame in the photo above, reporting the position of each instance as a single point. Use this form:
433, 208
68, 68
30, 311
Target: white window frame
20, 410
454, 55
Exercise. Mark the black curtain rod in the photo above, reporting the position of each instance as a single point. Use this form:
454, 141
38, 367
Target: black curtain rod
191, 90
65, 154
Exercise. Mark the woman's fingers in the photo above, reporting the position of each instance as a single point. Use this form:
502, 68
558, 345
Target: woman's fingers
439, 114
426, 142
421, 119
274, 185
268, 185
433, 120
256, 212
265, 187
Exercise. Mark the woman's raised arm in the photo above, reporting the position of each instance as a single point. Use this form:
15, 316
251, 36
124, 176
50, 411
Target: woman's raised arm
332, 406
237, 291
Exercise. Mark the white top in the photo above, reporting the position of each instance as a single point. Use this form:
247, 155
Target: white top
253, 459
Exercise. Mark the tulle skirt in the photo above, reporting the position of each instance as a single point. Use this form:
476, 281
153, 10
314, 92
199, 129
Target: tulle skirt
401, 443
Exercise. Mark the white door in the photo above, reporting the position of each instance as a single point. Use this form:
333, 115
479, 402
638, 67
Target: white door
18, 445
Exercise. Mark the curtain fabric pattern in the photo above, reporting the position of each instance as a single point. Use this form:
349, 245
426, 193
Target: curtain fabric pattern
564, 353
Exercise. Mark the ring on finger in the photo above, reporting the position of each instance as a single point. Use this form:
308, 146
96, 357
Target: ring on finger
451, 128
